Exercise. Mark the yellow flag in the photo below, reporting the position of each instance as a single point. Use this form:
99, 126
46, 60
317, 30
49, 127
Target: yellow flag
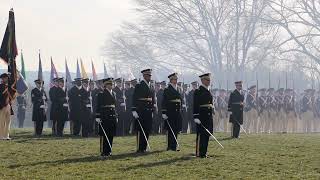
83, 71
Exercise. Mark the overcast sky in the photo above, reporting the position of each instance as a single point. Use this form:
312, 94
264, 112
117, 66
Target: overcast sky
64, 28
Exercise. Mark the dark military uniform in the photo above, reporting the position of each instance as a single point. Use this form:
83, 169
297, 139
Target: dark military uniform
158, 122
38, 111
120, 110
85, 111
21, 115
203, 110
75, 104
94, 126
62, 108
171, 106
190, 98
143, 104
106, 104
129, 102
235, 105
53, 107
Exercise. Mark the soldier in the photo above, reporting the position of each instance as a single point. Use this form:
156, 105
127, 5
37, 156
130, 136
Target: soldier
307, 111
203, 111
121, 106
235, 106
263, 109
222, 108
106, 109
190, 97
38, 98
157, 118
85, 108
53, 106
251, 110
22, 105
272, 110
184, 95
280, 110
130, 102
171, 112
75, 107
142, 108
61, 107
289, 103
7, 96
93, 94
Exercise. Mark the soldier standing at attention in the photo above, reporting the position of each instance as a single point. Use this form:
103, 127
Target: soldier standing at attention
106, 109
203, 111
171, 112
22, 104
38, 98
142, 109
235, 106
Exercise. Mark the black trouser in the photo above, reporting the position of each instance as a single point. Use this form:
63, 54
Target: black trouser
172, 143
21, 122
141, 140
85, 127
184, 121
54, 127
38, 127
235, 130
202, 144
59, 128
104, 146
76, 127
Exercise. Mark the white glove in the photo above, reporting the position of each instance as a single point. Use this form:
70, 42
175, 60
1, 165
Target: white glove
135, 114
67, 98
98, 120
43, 98
65, 105
184, 106
123, 104
164, 116
90, 97
23, 107
88, 105
197, 121
42, 106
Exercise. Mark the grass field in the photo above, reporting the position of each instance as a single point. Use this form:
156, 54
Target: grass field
278, 156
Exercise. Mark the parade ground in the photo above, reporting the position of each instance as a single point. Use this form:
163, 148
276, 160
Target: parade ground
254, 156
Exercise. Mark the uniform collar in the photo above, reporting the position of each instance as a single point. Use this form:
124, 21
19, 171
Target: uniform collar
206, 87
174, 86
147, 83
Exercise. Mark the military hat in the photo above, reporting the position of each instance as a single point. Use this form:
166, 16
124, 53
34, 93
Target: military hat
238, 83
185, 85
173, 76
4, 75
270, 89
163, 83
118, 80
38, 81
60, 79
134, 80
262, 90
55, 79
252, 87
77, 79
107, 81
146, 72
85, 80
194, 83
205, 76
179, 83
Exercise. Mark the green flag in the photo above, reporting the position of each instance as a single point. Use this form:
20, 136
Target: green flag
23, 72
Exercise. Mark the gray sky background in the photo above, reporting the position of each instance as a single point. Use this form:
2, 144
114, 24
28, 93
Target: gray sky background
64, 28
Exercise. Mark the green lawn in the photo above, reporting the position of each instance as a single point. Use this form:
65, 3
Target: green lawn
278, 156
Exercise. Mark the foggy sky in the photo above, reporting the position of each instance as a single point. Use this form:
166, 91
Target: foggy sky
64, 28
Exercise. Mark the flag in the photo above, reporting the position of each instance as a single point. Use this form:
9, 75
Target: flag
105, 71
94, 74
83, 71
40, 74
53, 73
8, 51
23, 71
68, 76
78, 70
